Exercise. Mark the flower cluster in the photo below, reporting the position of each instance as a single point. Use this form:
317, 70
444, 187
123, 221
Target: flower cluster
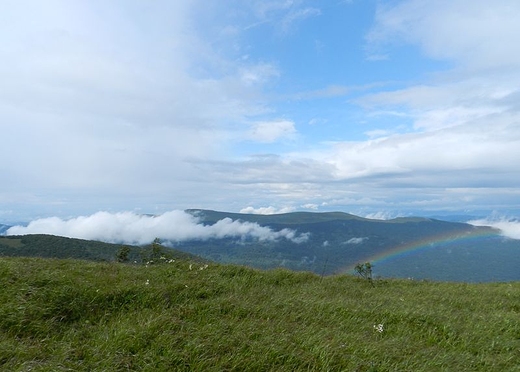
203, 267
171, 260
378, 328
163, 259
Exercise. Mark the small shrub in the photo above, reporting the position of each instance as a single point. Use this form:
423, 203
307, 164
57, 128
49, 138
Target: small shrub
122, 254
364, 270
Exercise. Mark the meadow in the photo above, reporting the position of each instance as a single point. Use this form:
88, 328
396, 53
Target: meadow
184, 315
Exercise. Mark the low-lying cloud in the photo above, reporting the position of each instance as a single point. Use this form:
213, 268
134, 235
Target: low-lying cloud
356, 240
508, 227
266, 210
381, 215
132, 228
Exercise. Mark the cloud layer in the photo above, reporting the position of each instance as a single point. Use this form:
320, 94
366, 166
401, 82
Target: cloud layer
131, 228
154, 106
509, 227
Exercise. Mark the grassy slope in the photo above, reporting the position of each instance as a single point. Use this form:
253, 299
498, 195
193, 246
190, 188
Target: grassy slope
76, 315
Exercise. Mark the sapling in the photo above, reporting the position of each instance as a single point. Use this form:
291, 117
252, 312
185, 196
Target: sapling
365, 271
122, 254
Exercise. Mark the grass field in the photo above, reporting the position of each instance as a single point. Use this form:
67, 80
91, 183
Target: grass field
71, 315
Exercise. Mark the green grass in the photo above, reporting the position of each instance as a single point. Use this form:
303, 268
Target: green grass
67, 315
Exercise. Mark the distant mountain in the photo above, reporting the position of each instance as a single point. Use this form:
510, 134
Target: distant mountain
331, 243
458, 217
293, 218
401, 247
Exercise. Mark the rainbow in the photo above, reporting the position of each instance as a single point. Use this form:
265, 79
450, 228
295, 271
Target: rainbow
425, 244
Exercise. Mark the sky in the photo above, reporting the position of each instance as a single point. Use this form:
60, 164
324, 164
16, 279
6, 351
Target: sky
380, 108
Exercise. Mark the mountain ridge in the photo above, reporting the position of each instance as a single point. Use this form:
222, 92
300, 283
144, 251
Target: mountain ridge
328, 243
337, 241
208, 215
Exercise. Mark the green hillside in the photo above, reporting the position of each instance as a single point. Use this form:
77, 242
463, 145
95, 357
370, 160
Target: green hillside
50, 246
337, 241
58, 315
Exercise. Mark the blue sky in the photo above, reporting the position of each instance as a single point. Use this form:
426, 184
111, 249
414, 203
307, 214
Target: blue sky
377, 108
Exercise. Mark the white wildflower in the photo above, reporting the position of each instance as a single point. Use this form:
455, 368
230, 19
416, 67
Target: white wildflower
378, 328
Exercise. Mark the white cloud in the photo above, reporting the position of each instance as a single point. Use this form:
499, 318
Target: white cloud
466, 131
463, 146
119, 98
310, 206
271, 131
131, 228
356, 240
283, 15
421, 157
258, 74
266, 8
266, 210
381, 215
441, 105
298, 15
509, 227
126, 104
317, 121
479, 36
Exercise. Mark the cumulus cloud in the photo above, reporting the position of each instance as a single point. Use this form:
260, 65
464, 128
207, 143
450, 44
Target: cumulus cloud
468, 104
509, 227
411, 156
119, 96
132, 228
